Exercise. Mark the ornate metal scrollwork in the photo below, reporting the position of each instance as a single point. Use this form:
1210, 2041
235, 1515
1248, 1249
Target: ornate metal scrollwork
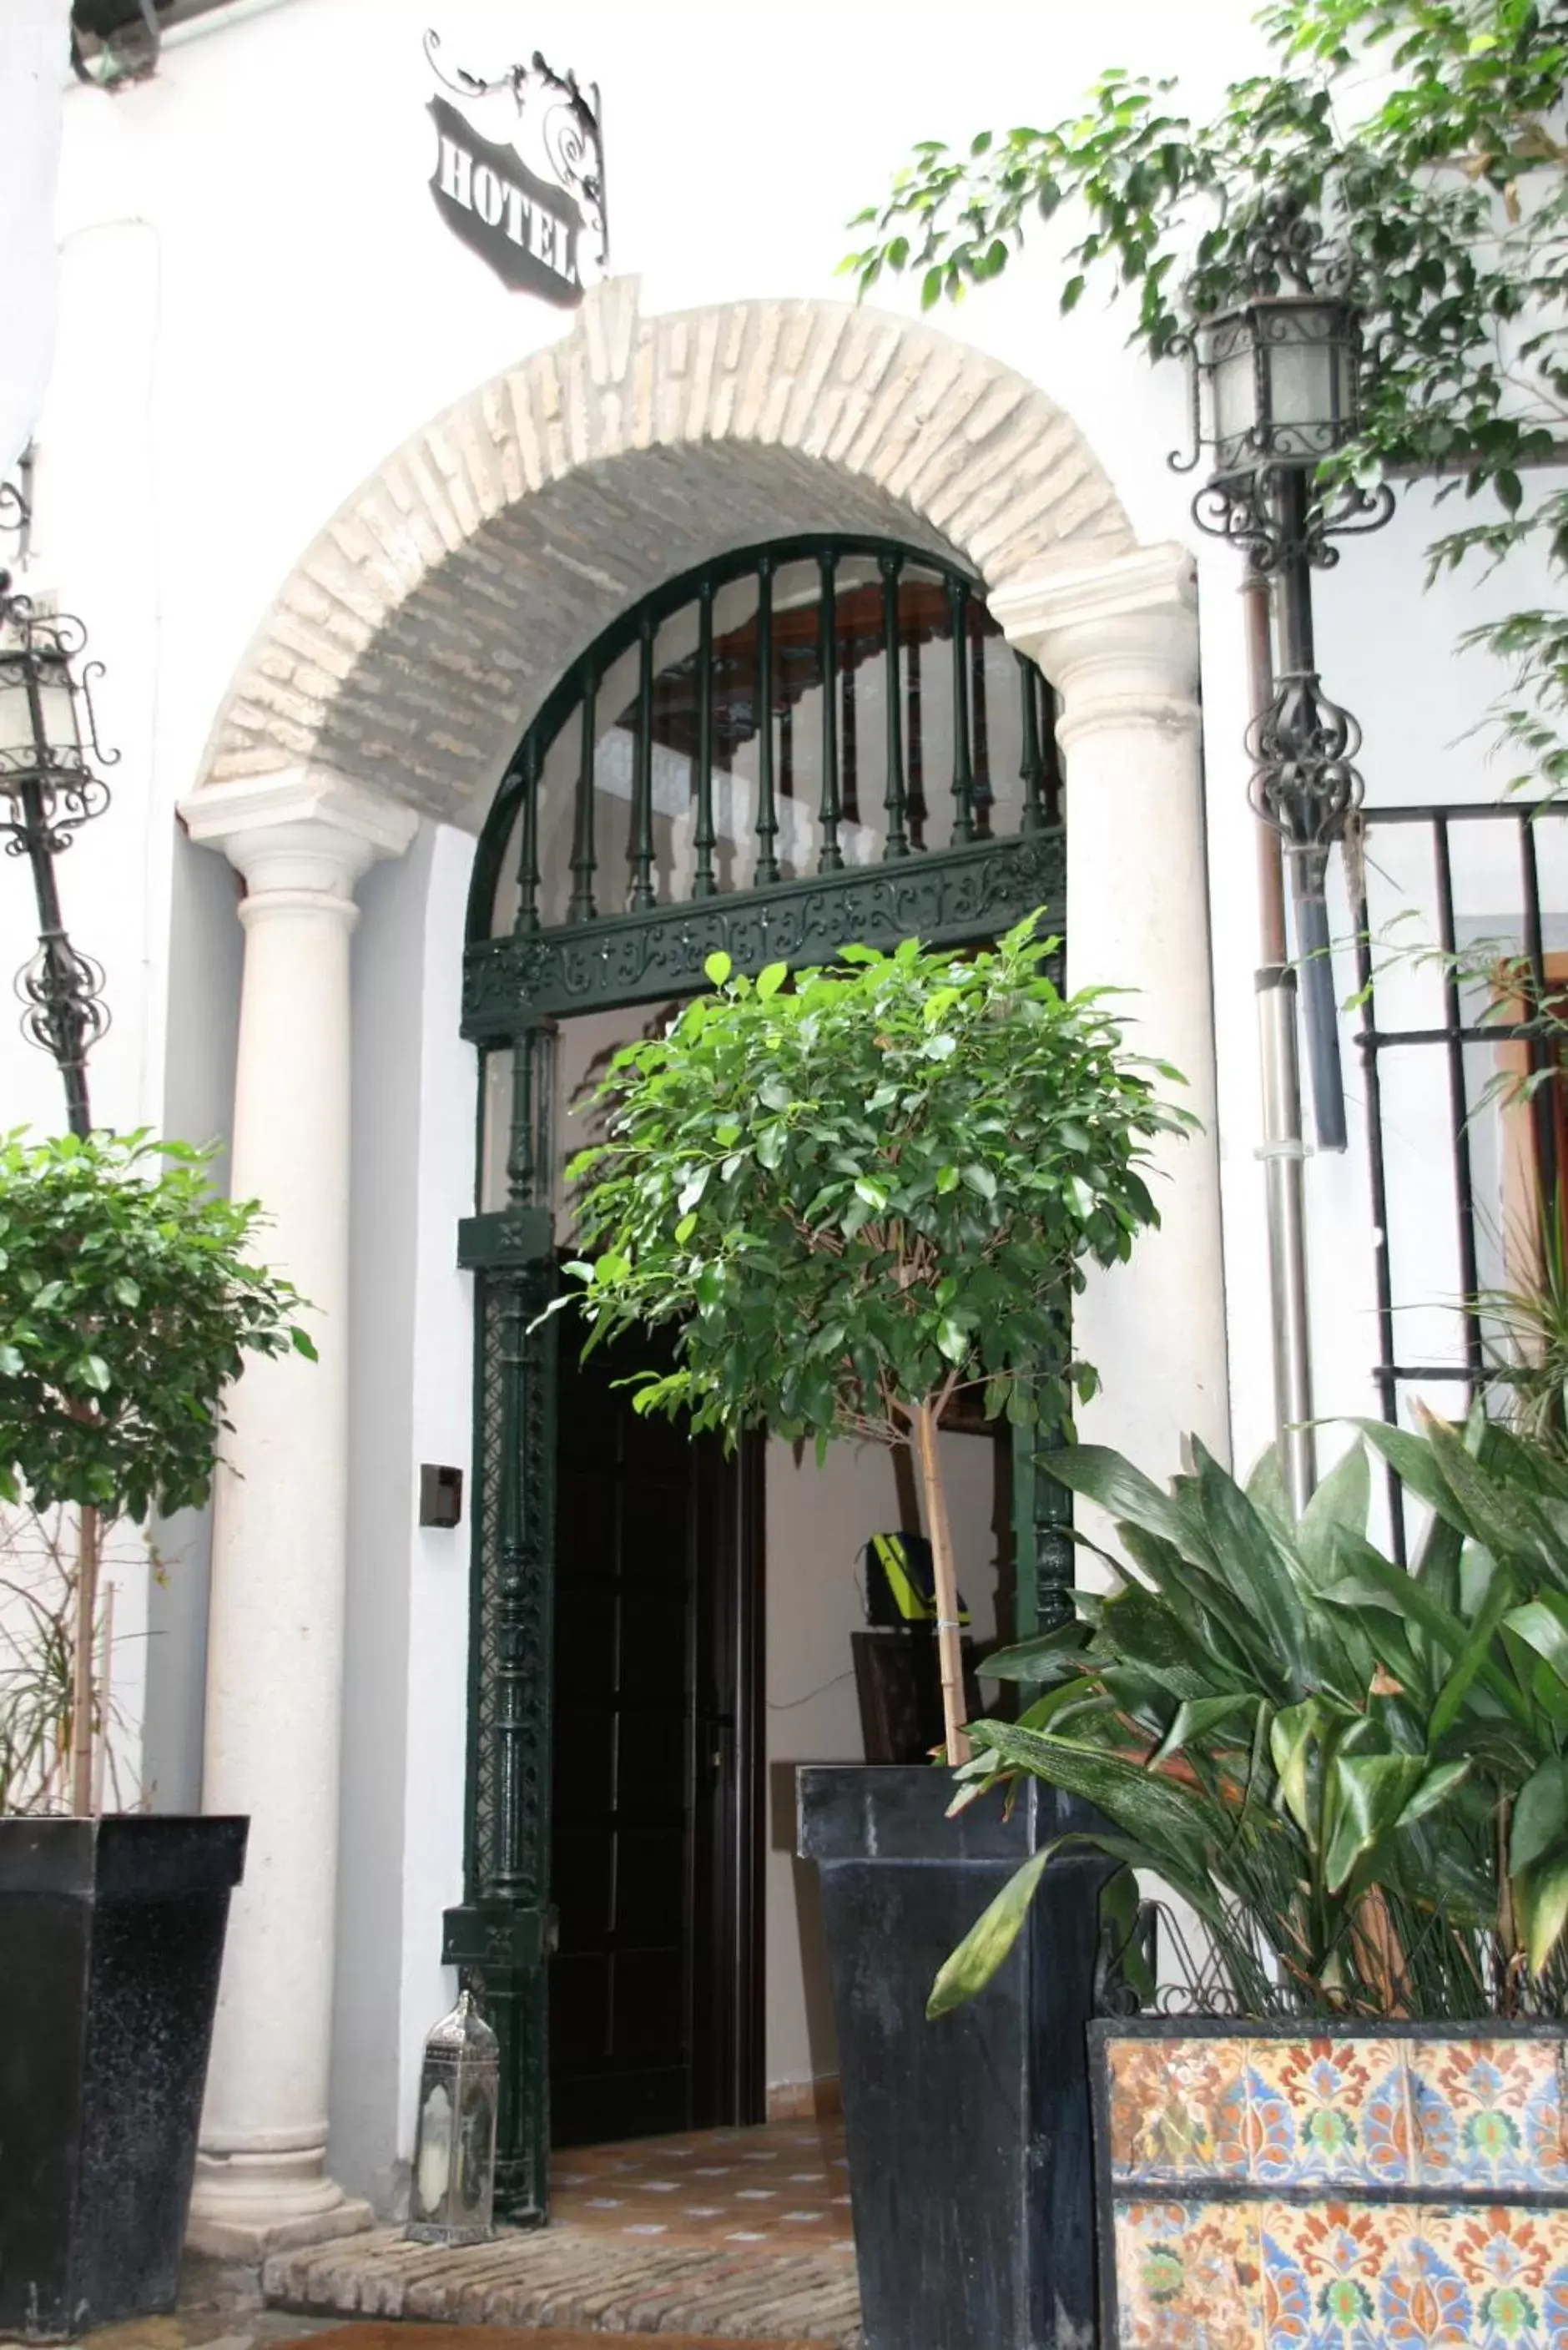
1247, 515
957, 894
62, 990
569, 124
1304, 779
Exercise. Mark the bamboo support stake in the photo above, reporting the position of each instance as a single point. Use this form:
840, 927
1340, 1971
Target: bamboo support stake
82, 1663
949, 1654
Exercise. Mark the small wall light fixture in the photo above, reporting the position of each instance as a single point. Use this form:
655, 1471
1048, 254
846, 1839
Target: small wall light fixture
441, 1496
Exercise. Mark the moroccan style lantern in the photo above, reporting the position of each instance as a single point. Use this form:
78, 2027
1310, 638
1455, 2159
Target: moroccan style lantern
452, 2196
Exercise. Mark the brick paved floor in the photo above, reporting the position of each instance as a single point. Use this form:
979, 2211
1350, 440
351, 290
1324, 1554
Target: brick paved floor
733, 2235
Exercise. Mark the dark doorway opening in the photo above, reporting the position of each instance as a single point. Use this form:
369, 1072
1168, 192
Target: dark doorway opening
656, 1992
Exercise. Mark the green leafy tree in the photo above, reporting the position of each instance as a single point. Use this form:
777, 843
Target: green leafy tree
128, 1303
1355, 1773
858, 1193
1422, 143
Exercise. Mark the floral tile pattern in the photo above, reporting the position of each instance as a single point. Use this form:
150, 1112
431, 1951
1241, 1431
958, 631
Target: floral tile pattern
1189, 2277
1489, 2113
1374, 2111
1340, 2276
1242, 2167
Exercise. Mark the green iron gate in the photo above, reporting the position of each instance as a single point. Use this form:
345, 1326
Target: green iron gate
748, 760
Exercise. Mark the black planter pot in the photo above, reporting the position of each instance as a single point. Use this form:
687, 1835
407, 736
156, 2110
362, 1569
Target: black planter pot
111, 1936
969, 2139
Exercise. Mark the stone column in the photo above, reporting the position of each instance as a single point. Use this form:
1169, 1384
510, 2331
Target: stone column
1119, 643
275, 1657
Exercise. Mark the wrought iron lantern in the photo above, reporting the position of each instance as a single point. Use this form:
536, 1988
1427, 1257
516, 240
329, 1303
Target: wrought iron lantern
1277, 383
452, 2198
49, 788
1275, 390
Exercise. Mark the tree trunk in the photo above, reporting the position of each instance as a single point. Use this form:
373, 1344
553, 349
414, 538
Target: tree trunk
949, 1652
82, 1661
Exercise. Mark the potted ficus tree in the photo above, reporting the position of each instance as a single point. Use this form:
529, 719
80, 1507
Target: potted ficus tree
1356, 1775
127, 1303
854, 1191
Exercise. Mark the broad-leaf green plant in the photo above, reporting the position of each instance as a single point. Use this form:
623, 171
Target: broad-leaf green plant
854, 1191
128, 1302
1356, 1775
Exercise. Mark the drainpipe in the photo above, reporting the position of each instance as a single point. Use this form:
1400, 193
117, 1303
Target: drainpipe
1281, 1149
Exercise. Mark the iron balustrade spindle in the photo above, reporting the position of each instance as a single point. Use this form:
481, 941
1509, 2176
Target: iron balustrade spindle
914, 741
979, 738
528, 853
1385, 1373
642, 775
581, 907
849, 782
897, 843
786, 750
1056, 785
831, 859
1453, 1026
767, 812
963, 766
1031, 767
703, 883
1541, 1106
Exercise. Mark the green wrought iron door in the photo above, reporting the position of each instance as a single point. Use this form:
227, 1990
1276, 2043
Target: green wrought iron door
801, 745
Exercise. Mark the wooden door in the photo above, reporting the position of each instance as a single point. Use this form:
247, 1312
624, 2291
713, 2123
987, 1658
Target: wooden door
655, 1989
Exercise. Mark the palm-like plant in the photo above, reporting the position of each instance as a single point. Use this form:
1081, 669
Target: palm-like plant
1357, 1776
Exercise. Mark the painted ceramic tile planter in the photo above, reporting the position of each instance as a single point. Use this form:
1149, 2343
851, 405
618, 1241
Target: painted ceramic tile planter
1372, 2187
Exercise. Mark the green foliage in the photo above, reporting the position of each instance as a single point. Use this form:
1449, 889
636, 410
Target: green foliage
861, 1189
1527, 1331
1358, 1776
37, 1608
1423, 140
127, 1305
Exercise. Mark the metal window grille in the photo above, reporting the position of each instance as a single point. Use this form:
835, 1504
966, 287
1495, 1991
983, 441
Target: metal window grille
1461, 928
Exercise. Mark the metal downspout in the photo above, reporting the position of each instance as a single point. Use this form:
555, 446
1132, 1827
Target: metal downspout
1281, 1149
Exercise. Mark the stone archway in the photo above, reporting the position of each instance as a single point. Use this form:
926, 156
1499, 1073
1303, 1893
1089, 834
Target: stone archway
599, 468
395, 671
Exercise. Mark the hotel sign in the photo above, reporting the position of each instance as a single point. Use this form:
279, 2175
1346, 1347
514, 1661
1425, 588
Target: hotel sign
518, 176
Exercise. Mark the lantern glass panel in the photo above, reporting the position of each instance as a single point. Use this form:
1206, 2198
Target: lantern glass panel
16, 710
1304, 351
52, 737
61, 733
1228, 361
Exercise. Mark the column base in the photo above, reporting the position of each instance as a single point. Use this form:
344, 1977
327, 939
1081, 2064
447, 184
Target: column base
246, 2205
251, 2242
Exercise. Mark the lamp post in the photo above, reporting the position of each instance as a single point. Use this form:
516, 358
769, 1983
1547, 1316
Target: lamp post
48, 789
1275, 384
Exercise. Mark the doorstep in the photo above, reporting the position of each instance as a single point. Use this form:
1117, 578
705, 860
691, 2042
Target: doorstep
568, 2275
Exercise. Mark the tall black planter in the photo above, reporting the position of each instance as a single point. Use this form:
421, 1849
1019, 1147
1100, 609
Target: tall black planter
969, 2139
111, 1936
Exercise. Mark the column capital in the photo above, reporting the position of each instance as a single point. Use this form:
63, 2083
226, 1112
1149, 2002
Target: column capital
1119, 639
304, 831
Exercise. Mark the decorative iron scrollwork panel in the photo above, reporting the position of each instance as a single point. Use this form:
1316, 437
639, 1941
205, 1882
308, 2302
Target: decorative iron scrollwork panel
956, 897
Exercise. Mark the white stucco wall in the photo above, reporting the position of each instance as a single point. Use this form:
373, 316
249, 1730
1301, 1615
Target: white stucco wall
34, 71
819, 1521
